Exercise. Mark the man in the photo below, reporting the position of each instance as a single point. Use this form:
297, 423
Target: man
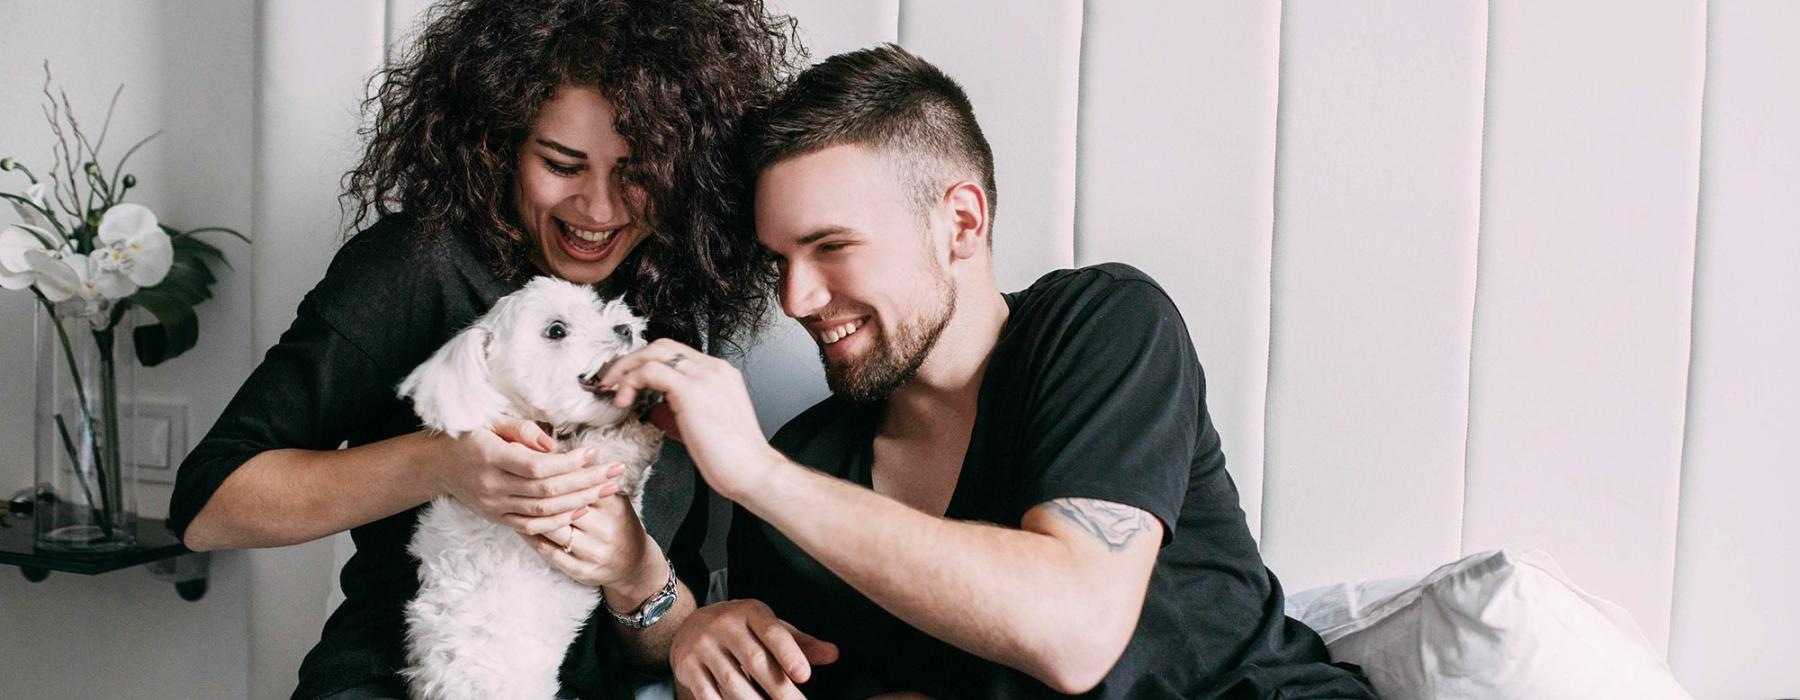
1007, 495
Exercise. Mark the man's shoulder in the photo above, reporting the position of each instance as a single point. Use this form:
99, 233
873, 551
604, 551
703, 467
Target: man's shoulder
828, 421
1086, 292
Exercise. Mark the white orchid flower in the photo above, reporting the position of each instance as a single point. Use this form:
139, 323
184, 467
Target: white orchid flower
39, 194
62, 274
134, 252
14, 273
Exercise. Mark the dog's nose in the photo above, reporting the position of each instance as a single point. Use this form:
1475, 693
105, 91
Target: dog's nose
624, 332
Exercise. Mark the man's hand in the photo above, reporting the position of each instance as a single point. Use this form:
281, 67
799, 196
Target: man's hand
508, 475
730, 649
708, 408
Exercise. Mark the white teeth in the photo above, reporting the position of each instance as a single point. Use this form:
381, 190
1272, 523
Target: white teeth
834, 335
589, 236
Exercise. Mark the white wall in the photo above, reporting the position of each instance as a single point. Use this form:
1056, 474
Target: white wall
187, 69
1463, 274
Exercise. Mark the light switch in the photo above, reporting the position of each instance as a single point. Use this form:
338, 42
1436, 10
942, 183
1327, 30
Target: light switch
159, 440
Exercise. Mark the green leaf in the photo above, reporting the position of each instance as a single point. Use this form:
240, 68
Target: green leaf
184, 243
218, 229
177, 329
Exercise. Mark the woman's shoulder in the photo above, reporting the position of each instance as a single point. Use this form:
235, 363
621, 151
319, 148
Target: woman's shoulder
393, 287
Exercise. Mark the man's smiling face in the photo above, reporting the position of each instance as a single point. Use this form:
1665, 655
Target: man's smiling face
861, 267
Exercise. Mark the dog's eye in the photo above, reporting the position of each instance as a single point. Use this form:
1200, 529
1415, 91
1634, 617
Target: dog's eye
556, 331
623, 331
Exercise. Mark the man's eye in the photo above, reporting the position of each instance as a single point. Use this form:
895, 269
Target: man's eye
556, 331
561, 169
832, 247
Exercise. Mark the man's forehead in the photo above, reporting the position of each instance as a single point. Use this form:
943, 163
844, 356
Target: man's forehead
834, 189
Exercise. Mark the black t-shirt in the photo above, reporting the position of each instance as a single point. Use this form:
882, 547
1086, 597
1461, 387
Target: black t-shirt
389, 299
1093, 391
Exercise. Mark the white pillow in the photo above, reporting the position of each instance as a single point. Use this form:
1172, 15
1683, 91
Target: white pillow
1496, 625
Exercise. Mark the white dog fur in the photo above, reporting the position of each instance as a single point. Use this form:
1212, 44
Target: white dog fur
493, 619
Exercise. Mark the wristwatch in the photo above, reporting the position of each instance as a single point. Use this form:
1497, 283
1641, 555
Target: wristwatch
652, 610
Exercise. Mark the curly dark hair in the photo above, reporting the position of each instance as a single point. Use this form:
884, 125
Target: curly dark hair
447, 120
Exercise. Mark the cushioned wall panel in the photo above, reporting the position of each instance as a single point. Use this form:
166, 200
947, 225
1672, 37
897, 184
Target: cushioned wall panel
782, 368
1737, 564
1582, 313
1018, 60
1377, 176
1176, 176
830, 27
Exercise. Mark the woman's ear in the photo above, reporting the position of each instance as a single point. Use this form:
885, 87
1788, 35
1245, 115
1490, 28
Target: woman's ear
452, 391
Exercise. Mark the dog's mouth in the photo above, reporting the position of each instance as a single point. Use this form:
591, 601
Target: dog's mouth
639, 408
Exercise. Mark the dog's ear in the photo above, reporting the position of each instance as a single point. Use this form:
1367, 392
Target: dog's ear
452, 391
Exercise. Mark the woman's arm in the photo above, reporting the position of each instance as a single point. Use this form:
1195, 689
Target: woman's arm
287, 496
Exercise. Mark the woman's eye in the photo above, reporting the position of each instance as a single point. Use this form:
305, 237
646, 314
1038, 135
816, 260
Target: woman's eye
561, 169
832, 247
556, 331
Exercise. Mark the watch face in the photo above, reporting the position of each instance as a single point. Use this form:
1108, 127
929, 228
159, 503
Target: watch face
657, 607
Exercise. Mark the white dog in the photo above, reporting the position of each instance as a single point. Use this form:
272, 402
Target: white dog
493, 618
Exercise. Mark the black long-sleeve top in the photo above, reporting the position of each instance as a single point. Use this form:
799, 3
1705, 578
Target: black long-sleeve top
388, 300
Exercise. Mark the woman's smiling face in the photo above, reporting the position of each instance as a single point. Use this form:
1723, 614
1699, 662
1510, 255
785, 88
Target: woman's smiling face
582, 220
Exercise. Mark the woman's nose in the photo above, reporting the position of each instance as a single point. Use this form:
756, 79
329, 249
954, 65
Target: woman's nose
603, 204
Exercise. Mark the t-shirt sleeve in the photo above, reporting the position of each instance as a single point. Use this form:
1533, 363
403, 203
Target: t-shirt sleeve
1115, 404
307, 392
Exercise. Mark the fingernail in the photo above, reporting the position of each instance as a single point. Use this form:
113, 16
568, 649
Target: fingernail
616, 468
589, 455
580, 512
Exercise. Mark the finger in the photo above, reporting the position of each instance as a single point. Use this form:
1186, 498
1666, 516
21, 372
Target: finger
818, 651
730, 679
533, 525
539, 526
567, 482
541, 507
698, 687
524, 432
660, 352
536, 465
599, 512
563, 561
655, 376
758, 659
779, 638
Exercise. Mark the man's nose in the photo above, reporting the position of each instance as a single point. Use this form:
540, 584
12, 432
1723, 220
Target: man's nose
802, 291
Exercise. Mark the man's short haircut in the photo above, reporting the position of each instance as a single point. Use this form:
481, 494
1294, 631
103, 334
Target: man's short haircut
891, 101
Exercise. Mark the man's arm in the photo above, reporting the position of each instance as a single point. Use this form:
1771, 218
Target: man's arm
1057, 599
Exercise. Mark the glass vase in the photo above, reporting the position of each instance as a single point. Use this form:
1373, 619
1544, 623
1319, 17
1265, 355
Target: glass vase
86, 481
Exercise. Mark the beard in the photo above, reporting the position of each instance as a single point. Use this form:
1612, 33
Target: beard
893, 360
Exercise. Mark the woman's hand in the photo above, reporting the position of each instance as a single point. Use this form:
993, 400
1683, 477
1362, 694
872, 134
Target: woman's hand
509, 475
605, 546
731, 649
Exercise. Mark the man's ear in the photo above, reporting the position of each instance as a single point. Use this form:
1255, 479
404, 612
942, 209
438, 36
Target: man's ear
452, 391
966, 207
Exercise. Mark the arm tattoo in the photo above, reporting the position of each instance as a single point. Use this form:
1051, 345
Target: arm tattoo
1113, 524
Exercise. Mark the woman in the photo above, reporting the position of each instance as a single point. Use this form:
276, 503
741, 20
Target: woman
586, 139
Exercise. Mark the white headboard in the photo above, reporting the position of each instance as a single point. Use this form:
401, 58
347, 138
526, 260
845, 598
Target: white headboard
1463, 275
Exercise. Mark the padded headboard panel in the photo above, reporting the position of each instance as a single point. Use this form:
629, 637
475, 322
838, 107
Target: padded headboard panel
1463, 275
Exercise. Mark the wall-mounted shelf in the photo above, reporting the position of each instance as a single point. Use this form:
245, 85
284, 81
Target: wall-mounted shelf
157, 550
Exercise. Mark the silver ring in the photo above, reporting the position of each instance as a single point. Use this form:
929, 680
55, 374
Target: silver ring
675, 360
